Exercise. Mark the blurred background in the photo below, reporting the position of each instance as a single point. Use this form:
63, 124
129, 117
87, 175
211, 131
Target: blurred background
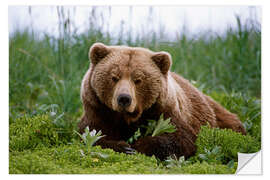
218, 48
132, 20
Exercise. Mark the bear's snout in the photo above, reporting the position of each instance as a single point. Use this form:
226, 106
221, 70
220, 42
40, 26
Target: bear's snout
124, 100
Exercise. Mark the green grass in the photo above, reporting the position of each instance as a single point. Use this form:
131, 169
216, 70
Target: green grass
229, 142
45, 74
40, 150
68, 160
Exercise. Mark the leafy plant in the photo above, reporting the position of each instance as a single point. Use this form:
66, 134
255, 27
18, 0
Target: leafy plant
172, 161
230, 164
89, 139
154, 128
163, 126
151, 125
133, 138
211, 156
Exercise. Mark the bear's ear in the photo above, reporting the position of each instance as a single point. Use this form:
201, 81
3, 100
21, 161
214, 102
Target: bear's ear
163, 61
97, 52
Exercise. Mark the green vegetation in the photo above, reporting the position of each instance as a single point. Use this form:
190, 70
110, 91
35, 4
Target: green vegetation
223, 145
45, 73
154, 128
68, 159
28, 133
49, 158
248, 109
162, 126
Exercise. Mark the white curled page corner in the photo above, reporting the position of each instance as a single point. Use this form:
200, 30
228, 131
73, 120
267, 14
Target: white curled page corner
249, 163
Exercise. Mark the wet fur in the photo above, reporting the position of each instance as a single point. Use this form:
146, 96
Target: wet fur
161, 91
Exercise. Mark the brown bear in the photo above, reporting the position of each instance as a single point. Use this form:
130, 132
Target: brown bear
126, 86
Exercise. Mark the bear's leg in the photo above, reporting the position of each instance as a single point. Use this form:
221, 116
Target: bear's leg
164, 146
179, 143
108, 141
226, 119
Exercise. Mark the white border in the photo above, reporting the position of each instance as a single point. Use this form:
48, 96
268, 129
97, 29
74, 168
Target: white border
135, 2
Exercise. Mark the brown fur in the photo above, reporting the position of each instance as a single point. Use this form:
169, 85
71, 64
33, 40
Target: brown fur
153, 89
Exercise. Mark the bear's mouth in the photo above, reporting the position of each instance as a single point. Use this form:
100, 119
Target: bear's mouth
129, 114
133, 114
130, 117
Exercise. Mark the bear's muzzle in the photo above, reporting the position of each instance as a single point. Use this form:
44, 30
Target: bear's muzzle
124, 100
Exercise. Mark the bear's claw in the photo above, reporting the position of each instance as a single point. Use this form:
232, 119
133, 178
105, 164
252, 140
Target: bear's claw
129, 150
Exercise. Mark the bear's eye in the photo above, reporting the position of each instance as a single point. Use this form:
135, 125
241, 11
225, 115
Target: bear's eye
115, 79
137, 81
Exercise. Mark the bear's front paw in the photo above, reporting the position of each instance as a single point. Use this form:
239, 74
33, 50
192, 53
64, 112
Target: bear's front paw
145, 145
159, 146
122, 146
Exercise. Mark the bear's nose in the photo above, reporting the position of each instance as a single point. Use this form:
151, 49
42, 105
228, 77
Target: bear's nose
124, 100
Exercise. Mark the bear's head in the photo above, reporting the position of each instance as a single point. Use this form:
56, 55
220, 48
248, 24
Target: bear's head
128, 80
